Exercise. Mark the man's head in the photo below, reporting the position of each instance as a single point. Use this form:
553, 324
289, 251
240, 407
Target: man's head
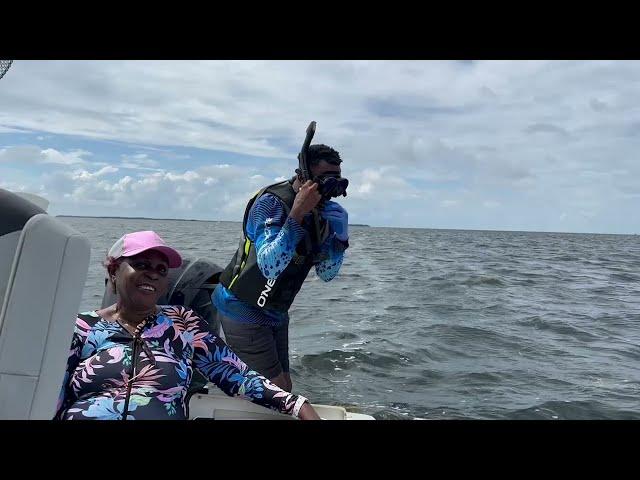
323, 160
324, 165
326, 172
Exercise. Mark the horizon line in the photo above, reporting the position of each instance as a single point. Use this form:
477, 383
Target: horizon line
359, 225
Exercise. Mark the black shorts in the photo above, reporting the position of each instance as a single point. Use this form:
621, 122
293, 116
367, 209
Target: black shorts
264, 349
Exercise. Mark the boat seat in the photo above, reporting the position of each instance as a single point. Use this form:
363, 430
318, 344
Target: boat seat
43, 269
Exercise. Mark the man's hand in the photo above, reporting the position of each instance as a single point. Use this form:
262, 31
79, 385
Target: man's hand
338, 220
306, 199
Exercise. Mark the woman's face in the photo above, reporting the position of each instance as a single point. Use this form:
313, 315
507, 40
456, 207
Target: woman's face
142, 279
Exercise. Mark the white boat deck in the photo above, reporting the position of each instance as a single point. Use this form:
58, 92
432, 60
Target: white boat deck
219, 406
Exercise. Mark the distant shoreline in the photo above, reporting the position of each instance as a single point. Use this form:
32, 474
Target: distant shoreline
146, 218
175, 219
368, 226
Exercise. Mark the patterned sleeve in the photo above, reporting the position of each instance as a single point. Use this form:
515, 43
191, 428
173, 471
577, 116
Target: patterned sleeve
274, 233
80, 333
329, 268
216, 361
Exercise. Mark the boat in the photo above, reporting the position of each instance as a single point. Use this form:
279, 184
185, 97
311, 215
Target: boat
43, 269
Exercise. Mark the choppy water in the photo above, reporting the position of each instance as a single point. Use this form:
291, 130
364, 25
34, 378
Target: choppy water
450, 324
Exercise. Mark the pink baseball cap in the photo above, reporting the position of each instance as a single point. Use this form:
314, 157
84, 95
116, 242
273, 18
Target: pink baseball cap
131, 244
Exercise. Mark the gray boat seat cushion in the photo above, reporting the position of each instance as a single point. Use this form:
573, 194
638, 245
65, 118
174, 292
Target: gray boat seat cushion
41, 295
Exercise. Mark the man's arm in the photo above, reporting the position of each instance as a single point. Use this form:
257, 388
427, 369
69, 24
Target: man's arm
275, 235
329, 268
336, 243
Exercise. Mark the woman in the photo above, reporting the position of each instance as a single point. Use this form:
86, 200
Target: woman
135, 359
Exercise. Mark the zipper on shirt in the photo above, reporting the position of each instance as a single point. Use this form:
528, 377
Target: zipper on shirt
132, 372
134, 358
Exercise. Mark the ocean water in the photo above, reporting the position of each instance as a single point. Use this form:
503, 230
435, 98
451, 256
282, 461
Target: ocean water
449, 324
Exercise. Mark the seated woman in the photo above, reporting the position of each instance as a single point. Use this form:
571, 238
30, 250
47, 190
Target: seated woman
135, 359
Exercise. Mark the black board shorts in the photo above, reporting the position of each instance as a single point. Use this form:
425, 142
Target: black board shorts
264, 349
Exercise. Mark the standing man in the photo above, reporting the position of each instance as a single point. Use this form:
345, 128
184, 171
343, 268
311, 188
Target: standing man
288, 228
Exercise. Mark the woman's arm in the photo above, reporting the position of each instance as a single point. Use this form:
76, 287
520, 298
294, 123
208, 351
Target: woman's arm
216, 361
65, 399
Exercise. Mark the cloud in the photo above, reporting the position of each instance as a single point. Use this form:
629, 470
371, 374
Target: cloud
519, 132
228, 101
213, 191
12, 186
598, 105
21, 154
546, 128
64, 158
138, 161
35, 155
9, 130
85, 175
383, 182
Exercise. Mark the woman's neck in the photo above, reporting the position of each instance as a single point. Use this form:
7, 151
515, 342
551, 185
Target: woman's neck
132, 315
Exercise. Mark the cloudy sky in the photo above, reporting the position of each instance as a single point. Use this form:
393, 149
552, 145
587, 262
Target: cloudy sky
500, 145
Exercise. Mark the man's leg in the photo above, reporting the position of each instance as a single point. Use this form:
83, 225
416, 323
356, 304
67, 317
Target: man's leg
281, 335
255, 345
287, 381
281, 381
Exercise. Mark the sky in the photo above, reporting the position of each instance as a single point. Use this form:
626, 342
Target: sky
488, 145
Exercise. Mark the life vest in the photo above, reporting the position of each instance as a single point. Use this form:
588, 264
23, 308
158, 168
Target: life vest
243, 276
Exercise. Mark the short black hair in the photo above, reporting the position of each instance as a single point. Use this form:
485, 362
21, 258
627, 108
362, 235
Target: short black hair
320, 152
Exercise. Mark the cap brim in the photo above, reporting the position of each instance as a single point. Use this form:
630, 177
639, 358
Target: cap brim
175, 260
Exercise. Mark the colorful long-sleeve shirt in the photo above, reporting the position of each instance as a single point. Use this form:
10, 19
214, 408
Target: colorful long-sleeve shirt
108, 371
275, 236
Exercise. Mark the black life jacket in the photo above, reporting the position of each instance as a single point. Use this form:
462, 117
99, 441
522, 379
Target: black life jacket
243, 276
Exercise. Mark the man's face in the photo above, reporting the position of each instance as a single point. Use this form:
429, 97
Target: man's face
325, 168
329, 179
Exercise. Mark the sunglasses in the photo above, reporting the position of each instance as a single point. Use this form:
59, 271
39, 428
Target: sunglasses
145, 266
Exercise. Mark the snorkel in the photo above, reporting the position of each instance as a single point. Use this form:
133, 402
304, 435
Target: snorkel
329, 185
303, 161
304, 171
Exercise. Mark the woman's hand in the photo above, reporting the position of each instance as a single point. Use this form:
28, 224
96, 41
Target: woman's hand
307, 412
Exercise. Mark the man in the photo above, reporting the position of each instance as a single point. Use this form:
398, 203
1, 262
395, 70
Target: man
283, 240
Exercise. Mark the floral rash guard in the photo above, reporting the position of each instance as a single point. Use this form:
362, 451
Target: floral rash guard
110, 371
